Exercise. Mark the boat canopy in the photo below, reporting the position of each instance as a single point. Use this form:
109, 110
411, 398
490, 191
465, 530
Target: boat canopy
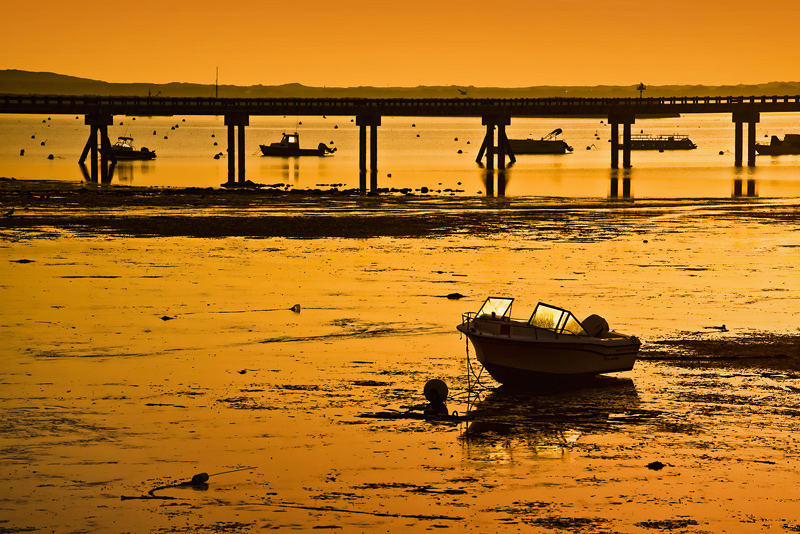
558, 320
496, 307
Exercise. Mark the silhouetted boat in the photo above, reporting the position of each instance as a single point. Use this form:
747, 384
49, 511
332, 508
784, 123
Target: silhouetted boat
550, 346
546, 145
123, 149
661, 142
776, 147
289, 145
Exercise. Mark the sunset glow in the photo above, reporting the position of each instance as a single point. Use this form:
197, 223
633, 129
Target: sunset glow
511, 43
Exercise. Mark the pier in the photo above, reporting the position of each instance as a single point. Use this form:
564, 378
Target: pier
495, 114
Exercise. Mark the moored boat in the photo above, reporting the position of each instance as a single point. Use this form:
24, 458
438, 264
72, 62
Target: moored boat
123, 149
550, 346
548, 144
289, 145
776, 147
660, 142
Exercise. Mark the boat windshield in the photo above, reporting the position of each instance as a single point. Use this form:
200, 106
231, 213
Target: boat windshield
496, 307
558, 320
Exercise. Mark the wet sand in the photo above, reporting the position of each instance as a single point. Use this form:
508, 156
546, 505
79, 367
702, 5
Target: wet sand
148, 337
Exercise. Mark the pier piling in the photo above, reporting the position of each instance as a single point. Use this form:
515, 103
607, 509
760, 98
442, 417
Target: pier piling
232, 121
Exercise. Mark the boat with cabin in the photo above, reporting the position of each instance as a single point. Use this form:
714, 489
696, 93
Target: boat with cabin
123, 149
550, 346
549, 144
289, 146
776, 147
645, 141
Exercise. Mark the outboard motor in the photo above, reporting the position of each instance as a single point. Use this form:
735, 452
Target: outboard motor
325, 150
595, 326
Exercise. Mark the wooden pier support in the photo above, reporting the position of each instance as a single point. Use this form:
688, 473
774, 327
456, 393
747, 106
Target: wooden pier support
503, 146
373, 121
626, 121
99, 123
231, 121
739, 118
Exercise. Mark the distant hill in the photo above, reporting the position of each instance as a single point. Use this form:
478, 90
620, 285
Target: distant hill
24, 82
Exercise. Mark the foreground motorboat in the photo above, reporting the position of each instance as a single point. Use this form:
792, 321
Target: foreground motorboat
289, 146
550, 346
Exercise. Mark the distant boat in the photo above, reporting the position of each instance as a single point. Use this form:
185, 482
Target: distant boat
289, 145
123, 149
776, 147
546, 145
661, 142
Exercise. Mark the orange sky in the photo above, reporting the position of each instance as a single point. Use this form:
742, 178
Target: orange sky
507, 43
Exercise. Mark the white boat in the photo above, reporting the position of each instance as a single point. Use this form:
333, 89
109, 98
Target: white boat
123, 149
550, 346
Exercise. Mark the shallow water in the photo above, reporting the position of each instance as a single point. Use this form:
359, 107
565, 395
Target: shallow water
130, 363
415, 152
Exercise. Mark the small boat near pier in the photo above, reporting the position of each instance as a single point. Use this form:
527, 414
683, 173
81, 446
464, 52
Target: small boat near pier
551, 346
123, 149
289, 146
549, 144
660, 142
776, 147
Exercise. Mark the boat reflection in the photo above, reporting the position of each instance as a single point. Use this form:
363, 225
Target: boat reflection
547, 421
123, 171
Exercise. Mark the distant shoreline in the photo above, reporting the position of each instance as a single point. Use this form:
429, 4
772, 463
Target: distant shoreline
25, 82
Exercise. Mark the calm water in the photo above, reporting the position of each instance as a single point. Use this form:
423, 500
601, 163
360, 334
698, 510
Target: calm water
413, 152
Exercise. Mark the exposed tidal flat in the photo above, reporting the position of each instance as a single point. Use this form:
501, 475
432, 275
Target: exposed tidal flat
148, 336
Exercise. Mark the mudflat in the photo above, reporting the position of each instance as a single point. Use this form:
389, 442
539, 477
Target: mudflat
279, 343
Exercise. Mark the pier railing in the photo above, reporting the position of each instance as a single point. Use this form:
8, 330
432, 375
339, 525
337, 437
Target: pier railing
455, 107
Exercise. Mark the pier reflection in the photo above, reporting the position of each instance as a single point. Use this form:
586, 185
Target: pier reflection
488, 176
546, 422
123, 171
618, 176
744, 183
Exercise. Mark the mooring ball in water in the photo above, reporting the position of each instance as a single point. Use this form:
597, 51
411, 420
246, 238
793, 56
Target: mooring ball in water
435, 391
295, 308
199, 479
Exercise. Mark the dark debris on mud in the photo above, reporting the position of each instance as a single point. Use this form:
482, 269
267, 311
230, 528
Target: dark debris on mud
761, 350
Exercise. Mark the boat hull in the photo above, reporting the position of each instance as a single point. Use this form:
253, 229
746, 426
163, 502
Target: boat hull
133, 155
539, 146
288, 152
772, 150
663, 145
531, 355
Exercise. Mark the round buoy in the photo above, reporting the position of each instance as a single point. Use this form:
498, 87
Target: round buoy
199, 479
51, 156
435, 391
